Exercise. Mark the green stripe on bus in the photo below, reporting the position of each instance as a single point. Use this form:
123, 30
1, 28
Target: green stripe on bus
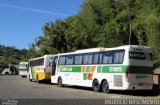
99, 69
84, 76
109, 69
70, 68
87, 69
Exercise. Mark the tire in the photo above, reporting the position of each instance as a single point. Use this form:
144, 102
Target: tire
30, 79
96, 86
60, 82
105, 86
38, 81
6, 73
23, 76
155, 90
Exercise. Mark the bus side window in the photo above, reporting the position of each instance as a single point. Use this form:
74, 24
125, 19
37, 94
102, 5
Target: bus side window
107, 58
53, 63
90, 58
62, 60
42, 61
96, 58
78, 59
69, 60
85, 59
118, 57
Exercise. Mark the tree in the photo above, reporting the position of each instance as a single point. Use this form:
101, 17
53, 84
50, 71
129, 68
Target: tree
11, 55
104, 23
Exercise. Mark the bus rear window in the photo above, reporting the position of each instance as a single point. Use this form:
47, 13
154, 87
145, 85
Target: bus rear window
140, 55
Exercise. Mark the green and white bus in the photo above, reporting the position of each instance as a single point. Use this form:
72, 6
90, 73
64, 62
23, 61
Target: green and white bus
39, 68
126, 67
23, 69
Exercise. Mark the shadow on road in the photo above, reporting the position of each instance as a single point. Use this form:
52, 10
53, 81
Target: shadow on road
79, 87
144, 93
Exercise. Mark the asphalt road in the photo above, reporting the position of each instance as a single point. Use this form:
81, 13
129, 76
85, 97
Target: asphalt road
16, 87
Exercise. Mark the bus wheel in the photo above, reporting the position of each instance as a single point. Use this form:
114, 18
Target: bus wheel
30, 79
155, 90
96, 85
23, 76
38, 81
105, 86
60, 82
6, 73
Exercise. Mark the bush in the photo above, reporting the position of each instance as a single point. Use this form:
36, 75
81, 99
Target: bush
156, 64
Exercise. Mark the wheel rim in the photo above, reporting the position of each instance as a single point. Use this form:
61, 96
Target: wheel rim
105, 86
96, 84
59, 82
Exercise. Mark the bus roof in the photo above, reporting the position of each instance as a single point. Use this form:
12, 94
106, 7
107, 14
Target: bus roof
41, 57
23, 62
91, 50
105, 49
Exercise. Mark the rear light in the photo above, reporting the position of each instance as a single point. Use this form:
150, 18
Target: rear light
127, 73
44, 69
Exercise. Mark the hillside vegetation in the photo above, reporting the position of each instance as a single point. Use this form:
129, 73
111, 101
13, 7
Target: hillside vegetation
11, 55
103, 23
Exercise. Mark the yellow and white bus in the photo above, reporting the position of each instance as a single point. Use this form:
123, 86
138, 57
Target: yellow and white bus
23, 69
126, 67
39, 68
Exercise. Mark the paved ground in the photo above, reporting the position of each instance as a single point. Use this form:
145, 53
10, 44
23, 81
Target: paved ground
16, 87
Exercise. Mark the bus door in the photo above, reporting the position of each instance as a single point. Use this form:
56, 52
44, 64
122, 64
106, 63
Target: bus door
54, 64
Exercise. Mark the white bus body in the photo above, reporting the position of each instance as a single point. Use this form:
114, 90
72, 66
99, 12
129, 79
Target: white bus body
23, 69
126, 67
8, 70
39, 68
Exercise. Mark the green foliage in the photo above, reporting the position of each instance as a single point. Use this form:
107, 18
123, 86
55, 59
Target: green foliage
103, 23
11, 55
156, 64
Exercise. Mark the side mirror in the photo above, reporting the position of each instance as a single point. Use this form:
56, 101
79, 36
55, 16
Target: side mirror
53, 64
50, 64
27, 66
